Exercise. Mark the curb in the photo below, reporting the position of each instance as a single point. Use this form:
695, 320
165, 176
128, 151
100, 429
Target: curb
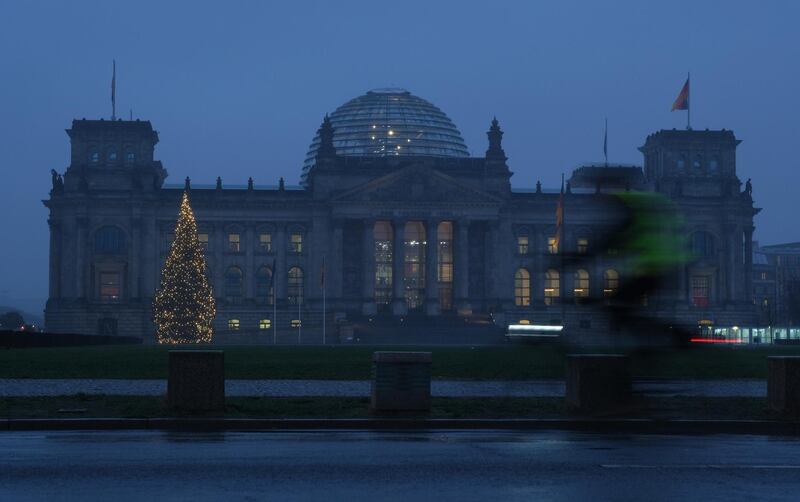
641, 426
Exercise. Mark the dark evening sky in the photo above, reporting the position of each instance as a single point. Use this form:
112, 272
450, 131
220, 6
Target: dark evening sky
238, 89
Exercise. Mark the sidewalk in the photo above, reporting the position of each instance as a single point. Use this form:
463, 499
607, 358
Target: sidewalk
361, 388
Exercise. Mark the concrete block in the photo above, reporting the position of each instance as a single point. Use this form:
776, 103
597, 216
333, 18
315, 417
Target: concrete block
597, 382
196, 380
783, 385
401, 381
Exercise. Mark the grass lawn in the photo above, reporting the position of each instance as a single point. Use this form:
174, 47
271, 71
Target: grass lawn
517, 362
84, 406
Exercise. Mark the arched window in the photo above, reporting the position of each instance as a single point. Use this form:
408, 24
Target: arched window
109, 240
610, 282
702, 244
264, 290
697, 163
384, 243
445, 274
522, 288
295, 286
414, 261
233, 285
296, 242
552, 286
581, 287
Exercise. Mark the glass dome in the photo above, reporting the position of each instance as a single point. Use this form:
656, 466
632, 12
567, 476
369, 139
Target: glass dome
388, 122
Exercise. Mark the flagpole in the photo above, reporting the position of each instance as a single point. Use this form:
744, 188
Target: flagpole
114, 91
324, 309
561, 244
274, 315
689, 101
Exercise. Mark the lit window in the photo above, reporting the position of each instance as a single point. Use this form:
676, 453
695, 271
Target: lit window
233, 324
295, 286
109, 286
610, 282
414, 245
552, 286
583, 245
203, 239
130, 157
581, 288
264, 324
445, 261
297, 243
552, 245
265, 243
522, 244
522, 288
296, 323
234, 243
384, 243
700, 290
763, 276
233, 285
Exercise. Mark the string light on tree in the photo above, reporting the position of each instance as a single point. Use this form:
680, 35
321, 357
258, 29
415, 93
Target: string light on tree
183, 307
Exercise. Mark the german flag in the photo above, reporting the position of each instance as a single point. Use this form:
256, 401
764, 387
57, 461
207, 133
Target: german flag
682, 101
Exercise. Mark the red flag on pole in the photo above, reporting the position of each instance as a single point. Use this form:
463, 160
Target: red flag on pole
682, 101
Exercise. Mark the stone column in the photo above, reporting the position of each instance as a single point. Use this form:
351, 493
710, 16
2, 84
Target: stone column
336, 268
368, 271
151, 274
730, 268
399, 306
489, 253
280, 264
461, 259
135, 258
432, 306
55, 258
250, 264
219, 266
747, 294
82, 272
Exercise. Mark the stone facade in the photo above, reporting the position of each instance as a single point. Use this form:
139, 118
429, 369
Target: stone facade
369, 220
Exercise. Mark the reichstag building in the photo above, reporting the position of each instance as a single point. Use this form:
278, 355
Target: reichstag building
393, 222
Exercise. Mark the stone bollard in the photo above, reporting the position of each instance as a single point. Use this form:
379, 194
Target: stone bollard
783, 385
597, 382
196, 380
401, 381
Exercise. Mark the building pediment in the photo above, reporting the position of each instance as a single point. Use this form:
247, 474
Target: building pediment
417, 184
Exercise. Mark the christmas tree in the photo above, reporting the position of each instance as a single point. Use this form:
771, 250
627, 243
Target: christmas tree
183, 308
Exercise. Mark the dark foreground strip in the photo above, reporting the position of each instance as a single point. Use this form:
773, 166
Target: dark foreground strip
645, 426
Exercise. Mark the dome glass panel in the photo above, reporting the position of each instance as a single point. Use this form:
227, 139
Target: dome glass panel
390, 122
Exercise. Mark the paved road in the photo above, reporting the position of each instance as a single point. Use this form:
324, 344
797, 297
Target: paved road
463, 466
357, 388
